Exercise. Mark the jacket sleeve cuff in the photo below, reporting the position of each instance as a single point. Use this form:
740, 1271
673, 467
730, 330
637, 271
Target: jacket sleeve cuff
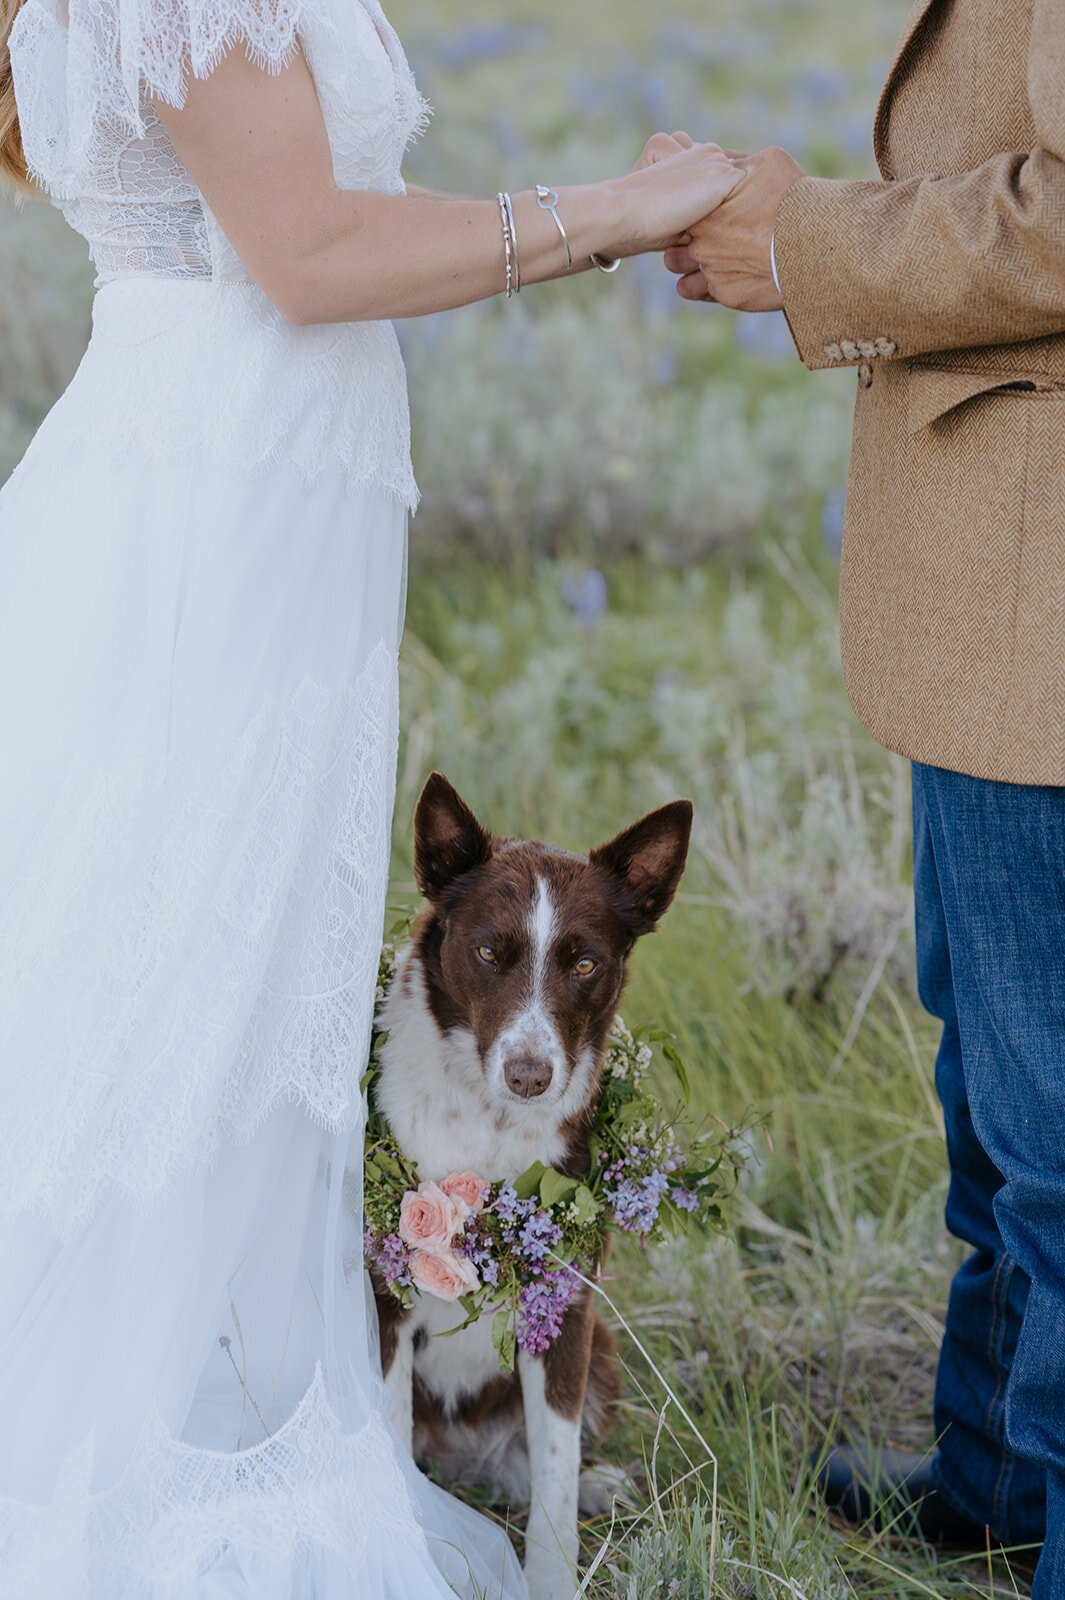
812, 235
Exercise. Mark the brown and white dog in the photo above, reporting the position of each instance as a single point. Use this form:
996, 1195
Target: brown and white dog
497, 1024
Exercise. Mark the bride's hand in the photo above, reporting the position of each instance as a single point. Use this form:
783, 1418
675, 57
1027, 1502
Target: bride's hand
661, 145
674, 185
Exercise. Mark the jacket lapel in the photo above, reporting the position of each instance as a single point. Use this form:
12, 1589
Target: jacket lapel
920, 11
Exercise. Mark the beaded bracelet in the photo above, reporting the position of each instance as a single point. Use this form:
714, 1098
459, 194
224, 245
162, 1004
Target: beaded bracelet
510, 245
512, 225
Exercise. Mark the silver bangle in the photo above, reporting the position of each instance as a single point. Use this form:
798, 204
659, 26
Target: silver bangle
547, 200
605, 263
509, 210
502, 199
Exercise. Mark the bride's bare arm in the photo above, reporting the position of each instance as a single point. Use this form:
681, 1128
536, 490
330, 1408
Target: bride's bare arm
256, 146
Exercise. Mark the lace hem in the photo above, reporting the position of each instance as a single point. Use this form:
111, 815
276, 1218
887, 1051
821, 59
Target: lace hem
185, 950
178, 1509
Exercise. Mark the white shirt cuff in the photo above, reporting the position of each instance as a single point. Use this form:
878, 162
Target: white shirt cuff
773, 260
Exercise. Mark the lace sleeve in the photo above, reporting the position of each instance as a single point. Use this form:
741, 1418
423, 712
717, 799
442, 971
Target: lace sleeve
162, 41
85, 70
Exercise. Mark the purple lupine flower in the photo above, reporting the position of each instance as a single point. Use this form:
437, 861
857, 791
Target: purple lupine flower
683, 1199
539, 1234
541, 1307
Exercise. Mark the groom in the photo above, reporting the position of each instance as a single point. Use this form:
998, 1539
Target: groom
943, 286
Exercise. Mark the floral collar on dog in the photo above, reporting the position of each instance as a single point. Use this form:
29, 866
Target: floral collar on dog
511, 1245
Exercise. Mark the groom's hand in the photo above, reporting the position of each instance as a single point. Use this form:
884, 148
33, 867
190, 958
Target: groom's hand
728, 258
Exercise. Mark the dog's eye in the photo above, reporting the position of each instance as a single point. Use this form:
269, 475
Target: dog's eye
487, 954
585, 967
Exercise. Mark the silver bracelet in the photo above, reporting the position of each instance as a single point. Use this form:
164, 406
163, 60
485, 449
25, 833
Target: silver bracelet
509, 209
605, 263
547, 200
502, 199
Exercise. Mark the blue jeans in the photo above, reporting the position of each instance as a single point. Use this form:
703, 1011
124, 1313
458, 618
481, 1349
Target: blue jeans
989, 879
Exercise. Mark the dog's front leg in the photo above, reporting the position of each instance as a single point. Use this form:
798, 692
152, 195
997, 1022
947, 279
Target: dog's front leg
397, 1365
554, 1442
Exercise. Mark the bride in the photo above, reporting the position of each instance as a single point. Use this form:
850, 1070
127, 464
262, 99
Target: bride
201, 590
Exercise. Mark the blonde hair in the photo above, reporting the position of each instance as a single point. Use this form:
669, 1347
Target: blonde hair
12, 157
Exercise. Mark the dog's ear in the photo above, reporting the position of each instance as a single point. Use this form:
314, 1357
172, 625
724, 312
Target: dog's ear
648, 861
448, 839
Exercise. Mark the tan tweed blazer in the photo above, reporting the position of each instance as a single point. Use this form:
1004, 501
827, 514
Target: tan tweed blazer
944, 285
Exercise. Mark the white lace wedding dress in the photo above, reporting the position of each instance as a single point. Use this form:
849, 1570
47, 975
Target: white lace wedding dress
201, 580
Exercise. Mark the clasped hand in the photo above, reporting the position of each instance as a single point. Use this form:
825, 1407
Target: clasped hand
727, 255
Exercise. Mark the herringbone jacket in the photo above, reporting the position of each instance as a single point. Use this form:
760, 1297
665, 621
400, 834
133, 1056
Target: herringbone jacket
944, 285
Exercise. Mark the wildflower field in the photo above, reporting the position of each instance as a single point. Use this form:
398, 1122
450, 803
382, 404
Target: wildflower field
623, 590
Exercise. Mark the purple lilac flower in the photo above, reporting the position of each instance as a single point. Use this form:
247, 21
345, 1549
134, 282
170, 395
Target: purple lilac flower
636, 1202
391, 1257
478, 1250
511, 1211
683, 1199
538, 1235
541, 1307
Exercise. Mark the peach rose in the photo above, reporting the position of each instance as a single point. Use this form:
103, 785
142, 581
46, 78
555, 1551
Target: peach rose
444, 1275
430, 1219
468, 1187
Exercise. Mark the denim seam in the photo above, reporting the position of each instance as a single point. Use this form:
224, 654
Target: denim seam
995, 1355
992, 1353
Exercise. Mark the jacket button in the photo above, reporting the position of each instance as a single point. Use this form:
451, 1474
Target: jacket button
833, 352
868, 349
884, 347
865, 375
850, 349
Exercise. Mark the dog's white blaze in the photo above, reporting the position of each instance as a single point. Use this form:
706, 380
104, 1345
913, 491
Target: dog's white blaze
542, 930
532, 1031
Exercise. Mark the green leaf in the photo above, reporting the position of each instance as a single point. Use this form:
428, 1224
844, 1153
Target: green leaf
672, 1055
588, 1207
473, 1314
554, 1186
388, 1163
529, 1183
503, 1337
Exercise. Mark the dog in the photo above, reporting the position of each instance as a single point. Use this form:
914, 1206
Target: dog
497, 1024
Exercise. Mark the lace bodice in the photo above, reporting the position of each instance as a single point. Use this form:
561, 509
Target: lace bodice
85, 72
188, 356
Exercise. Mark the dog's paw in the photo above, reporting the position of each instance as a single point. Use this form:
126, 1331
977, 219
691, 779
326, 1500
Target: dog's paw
600, 1485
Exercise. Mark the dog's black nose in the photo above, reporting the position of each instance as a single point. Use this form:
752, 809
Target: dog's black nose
526, 1076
